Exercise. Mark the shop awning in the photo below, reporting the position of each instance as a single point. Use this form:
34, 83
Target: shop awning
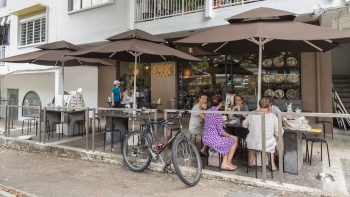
29, 10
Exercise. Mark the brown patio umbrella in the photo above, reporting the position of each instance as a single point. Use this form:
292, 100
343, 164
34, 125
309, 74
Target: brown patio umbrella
54, 54
138, 46
269, 30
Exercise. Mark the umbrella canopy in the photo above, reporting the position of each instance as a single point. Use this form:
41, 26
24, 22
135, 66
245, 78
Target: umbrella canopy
269, 30
55, 54
138, 46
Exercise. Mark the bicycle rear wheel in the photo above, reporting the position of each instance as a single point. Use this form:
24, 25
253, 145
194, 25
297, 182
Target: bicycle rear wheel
186, 160
136, 153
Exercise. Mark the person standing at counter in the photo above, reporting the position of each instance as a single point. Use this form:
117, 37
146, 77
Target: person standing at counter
116, 94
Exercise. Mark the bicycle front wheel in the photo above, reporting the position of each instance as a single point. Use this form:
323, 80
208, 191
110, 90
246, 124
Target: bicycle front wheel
186, 160
136, 153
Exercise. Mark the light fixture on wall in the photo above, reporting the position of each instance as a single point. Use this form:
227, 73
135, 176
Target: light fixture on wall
190, 49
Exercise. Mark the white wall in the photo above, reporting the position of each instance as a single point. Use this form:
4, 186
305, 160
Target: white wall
42, 83
84, 77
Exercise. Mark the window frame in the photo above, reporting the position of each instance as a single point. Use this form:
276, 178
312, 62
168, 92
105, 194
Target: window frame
71, 11
28, 20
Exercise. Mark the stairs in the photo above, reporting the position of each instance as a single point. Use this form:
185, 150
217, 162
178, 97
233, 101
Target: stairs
341, 84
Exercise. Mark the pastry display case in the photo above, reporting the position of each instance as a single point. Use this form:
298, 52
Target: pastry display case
194, 85
281, 76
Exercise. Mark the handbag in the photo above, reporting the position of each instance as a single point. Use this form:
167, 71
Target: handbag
300, 123
213, 158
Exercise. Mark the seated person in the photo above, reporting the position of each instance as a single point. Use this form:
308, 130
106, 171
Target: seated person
273, 108
253, 123
240, 106
129, 97
196, 124
215, 137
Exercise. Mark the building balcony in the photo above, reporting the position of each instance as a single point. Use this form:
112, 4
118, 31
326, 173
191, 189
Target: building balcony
146, 10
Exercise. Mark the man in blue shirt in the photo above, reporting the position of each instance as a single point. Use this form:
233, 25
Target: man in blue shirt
116, 94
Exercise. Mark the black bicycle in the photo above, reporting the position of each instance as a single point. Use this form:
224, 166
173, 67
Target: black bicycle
139, 148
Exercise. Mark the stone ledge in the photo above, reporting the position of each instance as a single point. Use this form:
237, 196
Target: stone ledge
76, 153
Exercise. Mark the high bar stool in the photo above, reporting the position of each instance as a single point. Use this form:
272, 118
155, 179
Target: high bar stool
52, 127
195, 135
220, 159
324, 127
315, 140
29, 125
98, 123
80, 123
256, 161
112, 138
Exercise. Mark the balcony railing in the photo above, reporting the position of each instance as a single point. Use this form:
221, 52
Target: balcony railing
156, 9
4, 51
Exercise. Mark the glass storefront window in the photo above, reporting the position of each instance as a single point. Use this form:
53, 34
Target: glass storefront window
239, 75
31, 99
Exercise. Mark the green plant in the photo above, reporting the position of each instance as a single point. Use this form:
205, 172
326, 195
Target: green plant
192, 4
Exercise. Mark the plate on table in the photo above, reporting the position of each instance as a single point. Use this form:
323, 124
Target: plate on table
291, 94
279, 78
291, 61
267, 63
278, 62
267, 79
269, 92
292, 78
279, 94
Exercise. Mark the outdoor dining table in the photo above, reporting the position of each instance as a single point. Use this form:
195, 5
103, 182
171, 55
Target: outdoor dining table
69, 117
117, 120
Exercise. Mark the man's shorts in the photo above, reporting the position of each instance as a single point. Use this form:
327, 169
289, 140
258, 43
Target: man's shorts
197, 131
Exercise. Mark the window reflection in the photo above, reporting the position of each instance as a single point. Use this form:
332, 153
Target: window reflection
31, 99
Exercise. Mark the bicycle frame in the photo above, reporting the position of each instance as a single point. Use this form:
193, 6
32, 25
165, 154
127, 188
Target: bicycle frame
164, 123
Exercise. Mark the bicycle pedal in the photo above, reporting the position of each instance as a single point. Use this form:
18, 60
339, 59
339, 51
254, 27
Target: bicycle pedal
167, 168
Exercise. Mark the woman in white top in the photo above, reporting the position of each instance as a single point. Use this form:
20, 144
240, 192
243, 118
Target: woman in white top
253, 123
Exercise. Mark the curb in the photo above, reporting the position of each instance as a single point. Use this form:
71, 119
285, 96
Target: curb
7, 194
100, 157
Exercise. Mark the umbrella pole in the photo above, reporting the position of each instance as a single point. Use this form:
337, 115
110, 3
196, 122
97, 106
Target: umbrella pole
62, 77
259, 72
135, 70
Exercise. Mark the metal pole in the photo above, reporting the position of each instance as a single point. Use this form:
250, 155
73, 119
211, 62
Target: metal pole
44, 140
259, 73
226, 81
12, 115
280, 149
135, 72
8, 123
87, 127
6, 111
93, 130
263, 135
39, 122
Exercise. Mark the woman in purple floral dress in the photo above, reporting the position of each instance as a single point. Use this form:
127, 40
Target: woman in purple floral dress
216, 138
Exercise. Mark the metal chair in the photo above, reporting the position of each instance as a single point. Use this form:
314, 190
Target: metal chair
324, 123
256, 161
315, 140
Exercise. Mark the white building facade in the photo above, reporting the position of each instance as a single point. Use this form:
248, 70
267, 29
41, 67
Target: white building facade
30, 23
